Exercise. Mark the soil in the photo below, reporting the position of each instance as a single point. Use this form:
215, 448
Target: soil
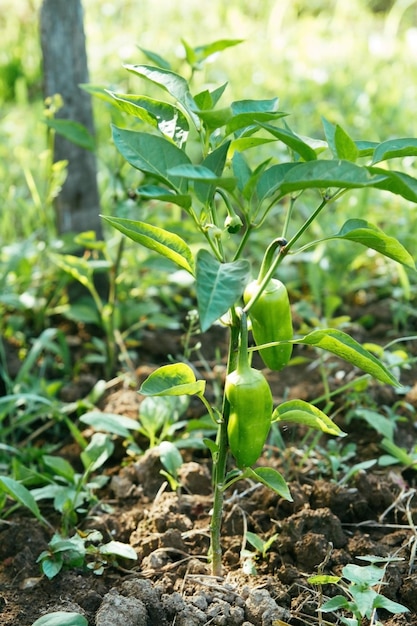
330, 523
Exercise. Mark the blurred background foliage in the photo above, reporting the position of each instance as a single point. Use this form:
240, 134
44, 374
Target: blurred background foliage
354, 63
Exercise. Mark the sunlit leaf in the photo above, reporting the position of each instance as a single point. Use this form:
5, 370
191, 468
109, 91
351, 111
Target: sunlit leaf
168, 118
345, 347
301, 412
177, 379
272, 479
368, 235
161, 241
173, 83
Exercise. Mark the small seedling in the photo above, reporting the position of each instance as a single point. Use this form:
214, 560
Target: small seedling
361, 597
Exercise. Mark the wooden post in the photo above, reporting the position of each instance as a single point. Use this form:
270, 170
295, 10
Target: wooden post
65, 67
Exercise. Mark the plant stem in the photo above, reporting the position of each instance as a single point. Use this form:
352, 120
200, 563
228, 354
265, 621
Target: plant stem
219, 467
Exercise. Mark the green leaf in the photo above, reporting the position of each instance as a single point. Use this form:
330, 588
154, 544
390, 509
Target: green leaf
171, 82
272, 479
73, 131
255, 106
271, 179
75, 266
170, 457
340, 143
110, 423
255, 541
345, 347
177, 379
60, 466
381, 602
368, 235
218, 286
337, 602
214, 162
52, 565
18, 492
323, 579
156, 58
251, 121
293, 141
117, 548
381, 424
207, 99
359, 574
346, 148
151, 154
394, 148
214, 118
245, 143
200, 53
98, 451
396, 182
165, 195
301, 412
366, 148
61, 618
166, 117
328, 173
161, 241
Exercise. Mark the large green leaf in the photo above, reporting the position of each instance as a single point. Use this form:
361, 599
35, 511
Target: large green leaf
396, 182
368, 235
177, 379
18, 492
271, 478
151, 154
301, 412
162, 241
328, 173
394, 148
218, 285
173, 83
345, 347
168, 118
61, 618
293, 141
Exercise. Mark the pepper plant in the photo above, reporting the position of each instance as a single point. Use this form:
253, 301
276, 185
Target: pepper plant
237, 172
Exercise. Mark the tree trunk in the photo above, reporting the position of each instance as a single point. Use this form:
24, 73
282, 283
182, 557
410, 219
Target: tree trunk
65, 67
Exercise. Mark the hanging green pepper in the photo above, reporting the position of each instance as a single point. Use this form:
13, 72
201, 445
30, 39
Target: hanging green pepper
250, 399
271, 320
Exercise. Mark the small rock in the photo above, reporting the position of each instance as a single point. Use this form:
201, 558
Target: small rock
119, 610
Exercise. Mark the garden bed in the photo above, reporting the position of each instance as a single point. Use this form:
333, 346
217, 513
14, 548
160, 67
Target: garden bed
329, 524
